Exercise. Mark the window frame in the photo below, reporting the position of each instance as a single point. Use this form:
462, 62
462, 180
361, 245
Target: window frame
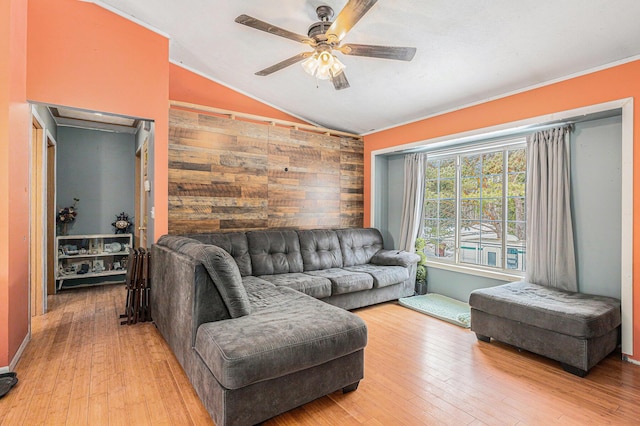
457, 153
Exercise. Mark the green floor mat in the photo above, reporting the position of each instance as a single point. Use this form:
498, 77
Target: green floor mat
441, 307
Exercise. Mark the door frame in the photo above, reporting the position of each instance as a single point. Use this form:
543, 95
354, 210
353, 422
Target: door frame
51, 152
142, 194
39, 233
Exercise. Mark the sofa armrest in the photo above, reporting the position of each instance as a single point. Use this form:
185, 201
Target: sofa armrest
395, 258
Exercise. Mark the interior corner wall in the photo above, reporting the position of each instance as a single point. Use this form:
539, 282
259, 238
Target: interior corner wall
607, 85
14, 181
83, 56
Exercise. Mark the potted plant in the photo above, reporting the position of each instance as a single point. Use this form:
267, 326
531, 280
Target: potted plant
65, 216
421, 270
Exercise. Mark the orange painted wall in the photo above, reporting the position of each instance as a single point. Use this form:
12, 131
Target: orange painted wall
614, 83
14, 180
84, 56
187, 86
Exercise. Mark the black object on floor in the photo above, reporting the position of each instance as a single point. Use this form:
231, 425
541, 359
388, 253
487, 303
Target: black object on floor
138, 287
7, 381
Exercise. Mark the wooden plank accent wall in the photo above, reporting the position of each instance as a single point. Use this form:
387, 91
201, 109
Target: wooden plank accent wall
232, 175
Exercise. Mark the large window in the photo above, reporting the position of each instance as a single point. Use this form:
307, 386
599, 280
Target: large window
474, 207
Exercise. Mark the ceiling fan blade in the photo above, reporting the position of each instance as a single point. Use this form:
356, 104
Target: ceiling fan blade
340, 81
280, 65
385, 52
272, 29
348, 17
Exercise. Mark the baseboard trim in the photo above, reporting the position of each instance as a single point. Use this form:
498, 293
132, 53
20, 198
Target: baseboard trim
627, 359
16, 358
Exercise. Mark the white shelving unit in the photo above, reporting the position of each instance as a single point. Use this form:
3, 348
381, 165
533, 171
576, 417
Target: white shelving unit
79, 257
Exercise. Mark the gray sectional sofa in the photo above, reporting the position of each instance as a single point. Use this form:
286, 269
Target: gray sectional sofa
259, 320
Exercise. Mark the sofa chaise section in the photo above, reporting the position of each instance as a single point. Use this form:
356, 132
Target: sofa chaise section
255, 318
252, 350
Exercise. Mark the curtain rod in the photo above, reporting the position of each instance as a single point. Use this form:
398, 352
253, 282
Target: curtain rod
487, 138
272, 121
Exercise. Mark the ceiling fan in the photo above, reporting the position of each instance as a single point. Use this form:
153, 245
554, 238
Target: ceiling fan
325, 37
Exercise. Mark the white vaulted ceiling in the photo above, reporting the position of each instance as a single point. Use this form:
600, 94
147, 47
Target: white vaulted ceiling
468, 51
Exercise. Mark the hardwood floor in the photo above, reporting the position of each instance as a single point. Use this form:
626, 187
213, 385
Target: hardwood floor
82, 367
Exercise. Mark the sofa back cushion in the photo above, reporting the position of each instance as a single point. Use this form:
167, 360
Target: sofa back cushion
234, 243
358, 245
274, 252
320, 249
221, 268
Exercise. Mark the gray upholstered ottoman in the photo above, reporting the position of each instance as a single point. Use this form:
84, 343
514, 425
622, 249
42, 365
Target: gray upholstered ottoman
577, 329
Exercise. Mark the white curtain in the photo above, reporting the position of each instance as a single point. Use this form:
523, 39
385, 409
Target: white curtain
412, 200
550, 248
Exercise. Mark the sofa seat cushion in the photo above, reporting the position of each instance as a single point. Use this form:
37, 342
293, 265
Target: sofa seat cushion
317, 287
383, 276
253, 284
343, 281
573, 314
290, 332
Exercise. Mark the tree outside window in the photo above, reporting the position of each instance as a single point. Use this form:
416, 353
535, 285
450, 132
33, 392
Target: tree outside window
474, 207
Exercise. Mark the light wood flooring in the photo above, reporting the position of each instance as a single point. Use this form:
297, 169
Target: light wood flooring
83, 368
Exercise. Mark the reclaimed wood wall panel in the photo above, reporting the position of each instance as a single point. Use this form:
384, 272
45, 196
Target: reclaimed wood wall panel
351, 183
232, 175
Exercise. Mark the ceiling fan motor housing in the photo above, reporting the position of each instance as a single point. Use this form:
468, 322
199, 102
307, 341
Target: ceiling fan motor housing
318, 28
325, 13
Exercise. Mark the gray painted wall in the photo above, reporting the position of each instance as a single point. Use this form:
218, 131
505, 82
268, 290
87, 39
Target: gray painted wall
382, 203
396, 189
596, 157
596, 149
455, 284
98, 168
389, 182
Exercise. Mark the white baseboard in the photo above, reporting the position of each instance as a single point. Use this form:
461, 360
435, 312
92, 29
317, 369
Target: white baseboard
16, 358
627, 359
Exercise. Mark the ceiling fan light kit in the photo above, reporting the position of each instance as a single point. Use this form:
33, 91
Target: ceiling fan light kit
323, 65
324, 37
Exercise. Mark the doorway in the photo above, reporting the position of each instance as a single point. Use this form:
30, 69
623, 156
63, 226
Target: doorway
51, 145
